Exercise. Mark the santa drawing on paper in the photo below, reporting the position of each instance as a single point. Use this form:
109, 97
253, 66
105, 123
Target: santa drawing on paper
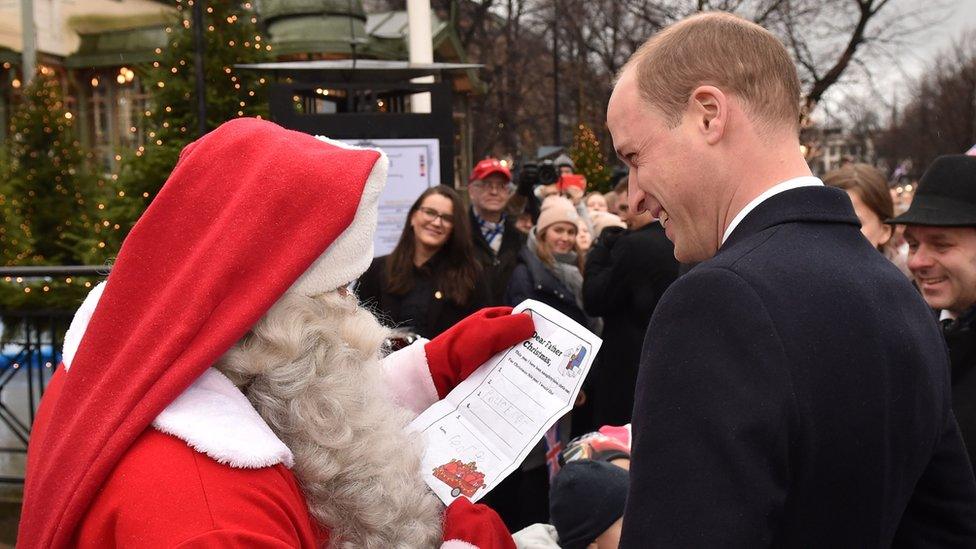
222, 388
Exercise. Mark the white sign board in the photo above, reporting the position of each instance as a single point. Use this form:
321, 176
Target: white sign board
414, 167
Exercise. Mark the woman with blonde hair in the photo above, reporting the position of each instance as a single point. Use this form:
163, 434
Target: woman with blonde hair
549, 270
550, 267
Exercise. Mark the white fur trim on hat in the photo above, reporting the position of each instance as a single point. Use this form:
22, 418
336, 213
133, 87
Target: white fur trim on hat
408, 377
351, 253
211, 415
79, 323
215, 418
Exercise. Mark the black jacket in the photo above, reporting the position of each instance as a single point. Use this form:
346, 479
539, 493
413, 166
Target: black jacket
794, 392
626, 274
423, 310
532, 280
961, 338
497, 267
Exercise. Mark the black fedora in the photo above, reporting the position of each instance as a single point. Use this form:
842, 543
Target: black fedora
946, 195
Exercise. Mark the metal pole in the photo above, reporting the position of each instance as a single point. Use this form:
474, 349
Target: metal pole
421, 48
198, 51
556, 139
29, 34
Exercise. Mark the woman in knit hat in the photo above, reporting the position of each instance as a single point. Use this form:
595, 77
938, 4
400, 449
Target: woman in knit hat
550, 267
549, 270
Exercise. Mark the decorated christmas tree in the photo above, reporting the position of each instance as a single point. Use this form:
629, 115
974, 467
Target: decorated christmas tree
45, 181
47, 194
231, 36
56, 212
590, 160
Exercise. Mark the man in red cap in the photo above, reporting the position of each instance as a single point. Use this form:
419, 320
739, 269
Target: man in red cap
497, 240
222, 388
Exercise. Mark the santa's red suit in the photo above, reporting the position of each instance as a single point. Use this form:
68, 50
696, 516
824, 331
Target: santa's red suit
139, 442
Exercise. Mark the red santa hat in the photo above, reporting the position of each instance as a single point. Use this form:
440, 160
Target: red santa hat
250, 212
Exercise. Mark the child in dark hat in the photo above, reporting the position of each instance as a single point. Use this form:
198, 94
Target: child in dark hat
586, 504
587, 496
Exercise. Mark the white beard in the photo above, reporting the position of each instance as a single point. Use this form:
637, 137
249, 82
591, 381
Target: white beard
311, 369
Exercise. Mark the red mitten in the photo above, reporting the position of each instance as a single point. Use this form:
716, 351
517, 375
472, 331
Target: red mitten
453, 355
475, 524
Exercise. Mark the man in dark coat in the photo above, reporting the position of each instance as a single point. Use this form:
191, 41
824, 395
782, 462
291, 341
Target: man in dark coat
627, 272
793, 390
497, 241
941, 236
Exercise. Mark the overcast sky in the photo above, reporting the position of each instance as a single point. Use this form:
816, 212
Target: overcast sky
921, 49
961, 17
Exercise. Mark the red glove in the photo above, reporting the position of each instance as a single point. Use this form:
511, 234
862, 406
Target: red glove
453, 355
478, 525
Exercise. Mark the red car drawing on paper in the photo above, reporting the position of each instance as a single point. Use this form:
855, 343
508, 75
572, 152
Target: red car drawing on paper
463, 478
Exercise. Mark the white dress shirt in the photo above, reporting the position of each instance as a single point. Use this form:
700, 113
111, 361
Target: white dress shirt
788, 185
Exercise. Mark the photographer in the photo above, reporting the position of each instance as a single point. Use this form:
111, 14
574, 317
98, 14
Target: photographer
543, 178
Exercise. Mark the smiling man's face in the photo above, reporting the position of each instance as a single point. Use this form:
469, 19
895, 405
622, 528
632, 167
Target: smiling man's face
943, 261
667, 175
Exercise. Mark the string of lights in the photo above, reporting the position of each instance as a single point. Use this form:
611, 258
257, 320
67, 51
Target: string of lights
93, 211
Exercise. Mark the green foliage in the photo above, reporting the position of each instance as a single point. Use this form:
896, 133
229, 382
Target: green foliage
47, 197
46, 182
589, 160
231, 36
55, 211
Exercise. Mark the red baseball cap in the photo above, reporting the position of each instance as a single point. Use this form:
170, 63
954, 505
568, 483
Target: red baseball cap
487, 167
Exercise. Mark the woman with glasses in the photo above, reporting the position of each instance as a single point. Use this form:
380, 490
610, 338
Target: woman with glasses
432, 279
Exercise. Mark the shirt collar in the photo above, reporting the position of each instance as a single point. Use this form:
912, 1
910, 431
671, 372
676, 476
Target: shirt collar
482, 222
946, 314
789, 184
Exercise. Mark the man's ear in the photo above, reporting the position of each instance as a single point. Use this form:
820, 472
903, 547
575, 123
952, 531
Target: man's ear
710, 109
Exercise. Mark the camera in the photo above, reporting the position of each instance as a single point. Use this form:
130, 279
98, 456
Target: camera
538, 172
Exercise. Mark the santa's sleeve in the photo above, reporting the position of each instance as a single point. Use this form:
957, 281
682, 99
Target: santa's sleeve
474, 526
408, 377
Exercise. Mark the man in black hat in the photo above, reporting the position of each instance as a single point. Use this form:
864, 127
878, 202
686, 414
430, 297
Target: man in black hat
941, 234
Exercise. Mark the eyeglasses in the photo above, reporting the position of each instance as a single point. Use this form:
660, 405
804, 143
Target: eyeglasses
430, 214
495, 186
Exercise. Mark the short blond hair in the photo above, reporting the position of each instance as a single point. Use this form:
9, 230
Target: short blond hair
724, 51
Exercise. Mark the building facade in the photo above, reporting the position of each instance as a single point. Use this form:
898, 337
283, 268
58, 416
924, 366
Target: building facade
95, 47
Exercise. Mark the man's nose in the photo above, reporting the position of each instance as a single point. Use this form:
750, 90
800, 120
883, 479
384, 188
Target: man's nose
919, 259
635, 196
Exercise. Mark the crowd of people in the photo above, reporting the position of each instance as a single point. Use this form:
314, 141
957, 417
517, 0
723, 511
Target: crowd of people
787, 361
583, 254
605, 266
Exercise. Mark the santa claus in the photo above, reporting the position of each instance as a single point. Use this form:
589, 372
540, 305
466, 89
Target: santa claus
222, 388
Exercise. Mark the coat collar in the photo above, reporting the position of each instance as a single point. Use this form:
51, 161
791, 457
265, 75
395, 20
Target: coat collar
805, 204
